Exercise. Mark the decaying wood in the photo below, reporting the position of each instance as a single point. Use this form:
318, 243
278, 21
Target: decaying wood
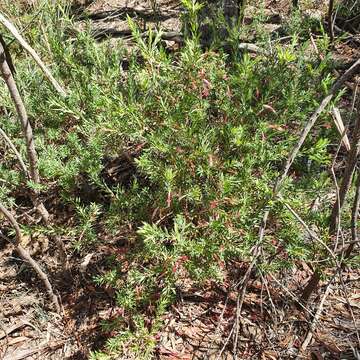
253, 48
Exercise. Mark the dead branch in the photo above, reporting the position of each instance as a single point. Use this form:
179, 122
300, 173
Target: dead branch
315, 319
341, 128
27, 257
348, 175
346, 297
239, 304
308, 126
26, 128
311, 233
337, 229
330, 19
354, 218
344, 187
336, 66
294, 297
6, 23
335, 88
17, 154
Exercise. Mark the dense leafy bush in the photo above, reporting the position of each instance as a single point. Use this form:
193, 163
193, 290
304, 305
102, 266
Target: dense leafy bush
198, 139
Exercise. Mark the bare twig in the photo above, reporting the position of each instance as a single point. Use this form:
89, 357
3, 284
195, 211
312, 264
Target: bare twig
321, 57
316, 318
295, 298
341, 128
335, 88
225, 343
331, 20
27, 257
354, 218
315, 279
353, 102
239, 304
265, 282
349, 307
5, 22
337, 228
312, 234
26, 128
17, 154
348, 174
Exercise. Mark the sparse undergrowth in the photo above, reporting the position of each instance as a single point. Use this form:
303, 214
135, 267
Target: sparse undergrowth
175, 152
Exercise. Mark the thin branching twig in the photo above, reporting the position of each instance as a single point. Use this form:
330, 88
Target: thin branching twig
334, 227
17, 154
315, 319
311, 233
354, 219
27, 257
330, 19
348, 175
26, 128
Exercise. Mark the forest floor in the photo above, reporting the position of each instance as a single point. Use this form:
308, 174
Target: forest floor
200, 323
